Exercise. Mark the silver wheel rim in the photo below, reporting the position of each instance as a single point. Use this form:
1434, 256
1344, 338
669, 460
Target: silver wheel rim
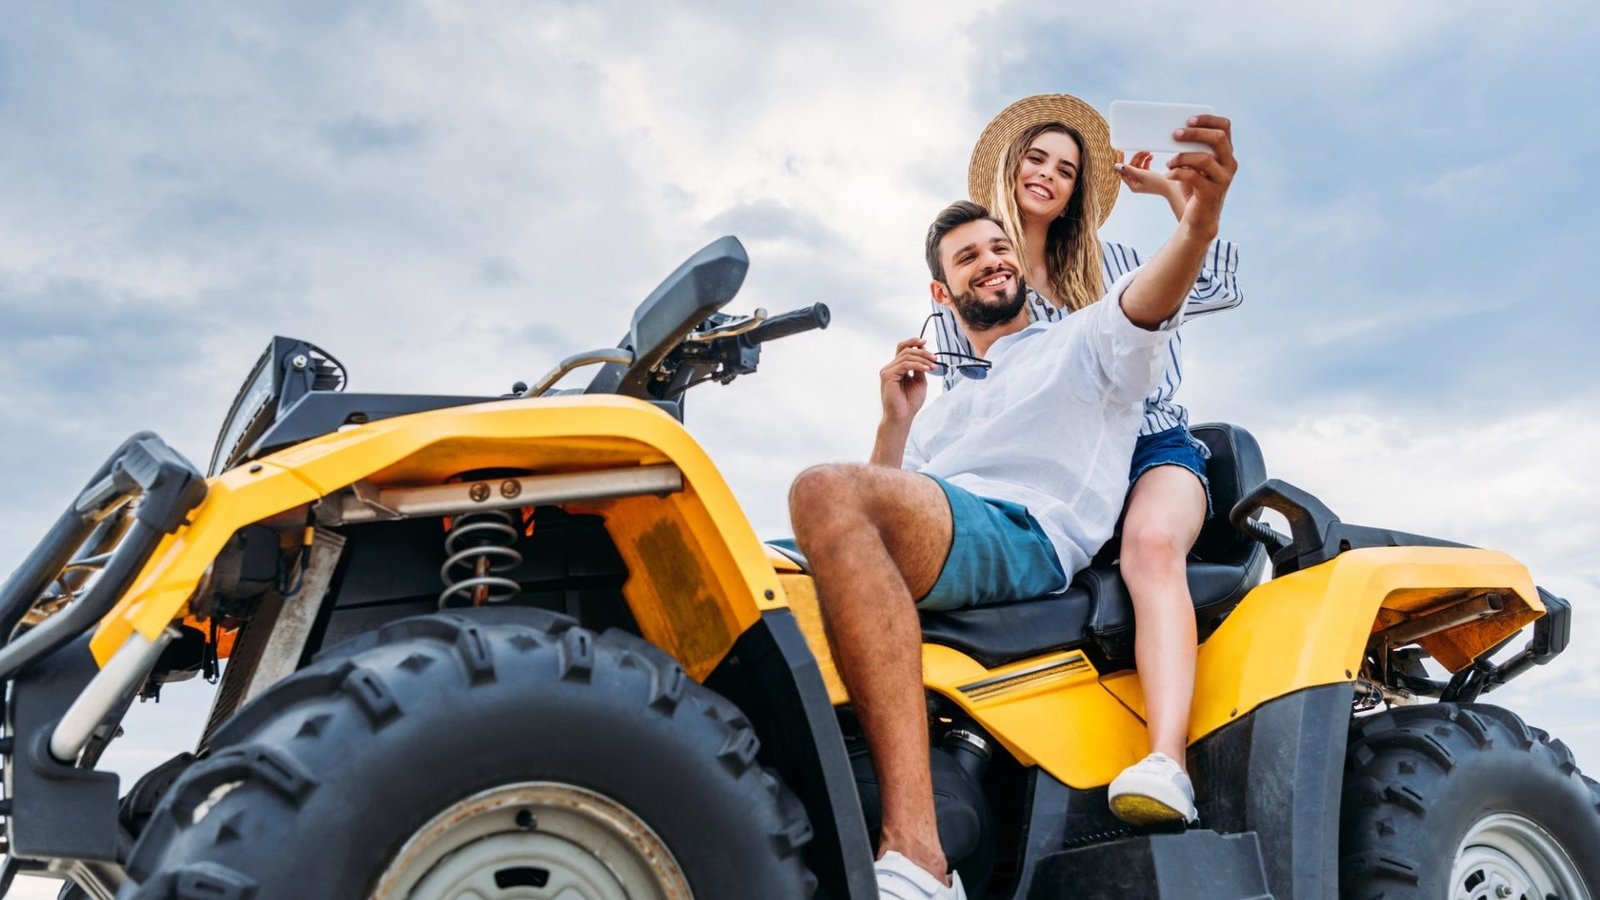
1508, 857
534, 841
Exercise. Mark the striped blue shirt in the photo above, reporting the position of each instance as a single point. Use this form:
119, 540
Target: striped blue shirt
1215, 290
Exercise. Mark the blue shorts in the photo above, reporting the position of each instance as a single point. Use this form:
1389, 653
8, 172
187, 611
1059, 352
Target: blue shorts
1173, 447
998, 553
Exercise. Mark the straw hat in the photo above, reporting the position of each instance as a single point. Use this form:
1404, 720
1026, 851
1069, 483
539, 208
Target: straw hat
1030, 111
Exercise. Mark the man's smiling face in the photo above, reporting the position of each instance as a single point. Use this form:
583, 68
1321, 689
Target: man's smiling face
982, 275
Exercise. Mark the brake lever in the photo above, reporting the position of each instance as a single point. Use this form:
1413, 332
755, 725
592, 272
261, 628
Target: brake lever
727, 331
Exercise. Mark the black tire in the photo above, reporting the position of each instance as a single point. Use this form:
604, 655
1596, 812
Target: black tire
1420, 780
335, 769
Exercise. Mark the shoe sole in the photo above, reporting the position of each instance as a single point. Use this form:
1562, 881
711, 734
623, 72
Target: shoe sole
1139, 810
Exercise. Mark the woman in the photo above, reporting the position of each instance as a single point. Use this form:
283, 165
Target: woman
1046, 169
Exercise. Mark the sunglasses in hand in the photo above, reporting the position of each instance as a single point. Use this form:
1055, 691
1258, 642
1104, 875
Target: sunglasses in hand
965, 364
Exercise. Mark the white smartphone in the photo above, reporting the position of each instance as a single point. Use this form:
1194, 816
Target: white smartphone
1139, 125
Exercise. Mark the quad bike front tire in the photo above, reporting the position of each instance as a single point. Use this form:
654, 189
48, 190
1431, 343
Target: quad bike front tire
1465, 802
479, 754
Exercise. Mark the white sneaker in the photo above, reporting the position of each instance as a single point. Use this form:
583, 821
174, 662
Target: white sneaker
901, 879
1153, 791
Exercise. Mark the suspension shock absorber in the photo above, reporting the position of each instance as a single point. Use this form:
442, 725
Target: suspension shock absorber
479, 546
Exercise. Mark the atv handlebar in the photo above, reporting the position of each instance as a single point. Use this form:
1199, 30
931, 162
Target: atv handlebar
789, 323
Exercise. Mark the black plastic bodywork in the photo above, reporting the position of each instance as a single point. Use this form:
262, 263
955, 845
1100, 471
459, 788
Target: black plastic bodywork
1278, 772
321, 412
774, 679
961, 808
57, 811
1196, 865
1268, 791
1316, 533
1267, 787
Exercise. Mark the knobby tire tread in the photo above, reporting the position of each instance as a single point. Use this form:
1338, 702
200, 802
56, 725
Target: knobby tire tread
1418, 777
264, 762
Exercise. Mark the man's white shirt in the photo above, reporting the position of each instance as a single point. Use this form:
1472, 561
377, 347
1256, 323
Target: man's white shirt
1052, 426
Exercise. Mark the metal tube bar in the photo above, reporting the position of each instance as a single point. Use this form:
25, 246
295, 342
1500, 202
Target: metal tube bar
578, 360
121, 676
54, 632
41, 567
509, 493
1449, 617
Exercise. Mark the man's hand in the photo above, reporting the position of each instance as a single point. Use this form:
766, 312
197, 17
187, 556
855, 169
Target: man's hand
903, 383
1204, 177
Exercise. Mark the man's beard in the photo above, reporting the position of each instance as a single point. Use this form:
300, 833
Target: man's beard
980, 316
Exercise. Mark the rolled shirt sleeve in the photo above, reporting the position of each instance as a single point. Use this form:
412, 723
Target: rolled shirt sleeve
1217, 288
914, 458
1126, 361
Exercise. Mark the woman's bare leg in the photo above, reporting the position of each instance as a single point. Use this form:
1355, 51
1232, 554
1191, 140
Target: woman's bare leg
1166, 509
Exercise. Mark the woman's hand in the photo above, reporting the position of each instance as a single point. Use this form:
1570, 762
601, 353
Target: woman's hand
903, 383
1136, 174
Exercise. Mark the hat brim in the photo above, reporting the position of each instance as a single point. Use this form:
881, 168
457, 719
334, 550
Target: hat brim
1036, 110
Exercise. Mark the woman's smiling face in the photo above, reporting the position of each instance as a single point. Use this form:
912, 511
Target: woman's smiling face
1047, 176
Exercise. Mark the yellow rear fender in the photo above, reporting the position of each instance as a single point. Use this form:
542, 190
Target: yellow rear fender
698, 575
1313, 627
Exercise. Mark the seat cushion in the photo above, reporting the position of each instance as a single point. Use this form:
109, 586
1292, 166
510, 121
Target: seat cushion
1095, 614
1234, 469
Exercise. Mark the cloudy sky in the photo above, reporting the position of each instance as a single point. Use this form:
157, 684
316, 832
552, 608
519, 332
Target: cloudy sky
450, 198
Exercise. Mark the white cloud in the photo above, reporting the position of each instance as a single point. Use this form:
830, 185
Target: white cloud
450, 198
1522, 483
1327, 41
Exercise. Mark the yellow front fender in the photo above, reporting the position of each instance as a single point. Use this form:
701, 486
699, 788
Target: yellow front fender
699, 576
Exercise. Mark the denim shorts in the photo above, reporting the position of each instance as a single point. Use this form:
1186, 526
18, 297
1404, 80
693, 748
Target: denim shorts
998, 553
1173, 447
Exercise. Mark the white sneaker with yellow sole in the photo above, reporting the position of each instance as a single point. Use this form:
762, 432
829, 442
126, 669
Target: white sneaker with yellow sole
1153, 791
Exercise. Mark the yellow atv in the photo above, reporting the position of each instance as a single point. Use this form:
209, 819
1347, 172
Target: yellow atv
530, 647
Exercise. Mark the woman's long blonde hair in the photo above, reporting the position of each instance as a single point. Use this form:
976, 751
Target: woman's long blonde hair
1072, 246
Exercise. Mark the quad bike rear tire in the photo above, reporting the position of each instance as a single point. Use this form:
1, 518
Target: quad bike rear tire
480, 753
1465, 802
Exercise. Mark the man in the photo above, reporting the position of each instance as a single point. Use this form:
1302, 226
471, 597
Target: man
1000, 490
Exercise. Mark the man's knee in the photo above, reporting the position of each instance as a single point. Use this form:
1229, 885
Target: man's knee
818, 492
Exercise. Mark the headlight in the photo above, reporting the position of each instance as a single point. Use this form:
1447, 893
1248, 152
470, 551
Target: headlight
287, 371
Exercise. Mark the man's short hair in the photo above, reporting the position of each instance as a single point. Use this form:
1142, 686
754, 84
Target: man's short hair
949, 219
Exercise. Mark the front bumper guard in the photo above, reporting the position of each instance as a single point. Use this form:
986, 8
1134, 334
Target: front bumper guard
57, 809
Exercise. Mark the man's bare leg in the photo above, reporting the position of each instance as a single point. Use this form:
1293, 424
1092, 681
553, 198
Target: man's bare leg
876, 539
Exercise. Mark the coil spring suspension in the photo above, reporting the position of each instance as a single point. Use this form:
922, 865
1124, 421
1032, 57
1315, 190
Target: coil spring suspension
478, 546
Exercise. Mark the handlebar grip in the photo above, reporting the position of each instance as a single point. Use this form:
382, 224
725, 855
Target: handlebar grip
786, 324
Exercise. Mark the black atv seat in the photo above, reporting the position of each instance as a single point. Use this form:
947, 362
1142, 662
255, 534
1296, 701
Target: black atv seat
1095, 613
